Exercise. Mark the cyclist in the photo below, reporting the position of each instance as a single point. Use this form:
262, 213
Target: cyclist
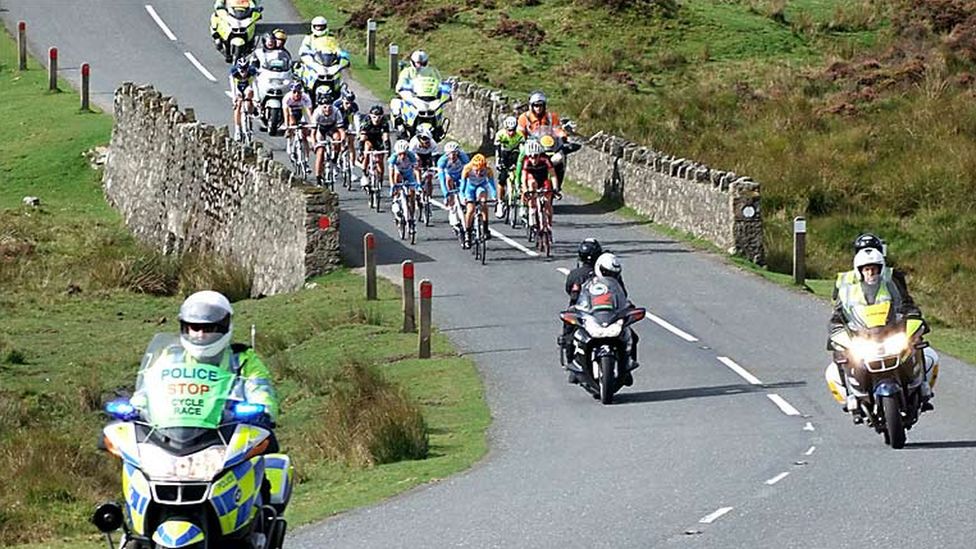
537, 171
508, 144
374, 134
424, 146
328, 123
298, 108
403, 174
241, 86
449, 168
347, 106
476, 180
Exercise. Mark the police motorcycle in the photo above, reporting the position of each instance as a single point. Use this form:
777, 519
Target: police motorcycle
424, 105
884, 364
270, 86
602, 339
324, 72
194, 471
234, 29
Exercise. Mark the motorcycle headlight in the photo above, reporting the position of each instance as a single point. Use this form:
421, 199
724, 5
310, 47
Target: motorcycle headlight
594, 328
895, 344
158, 464
862, 348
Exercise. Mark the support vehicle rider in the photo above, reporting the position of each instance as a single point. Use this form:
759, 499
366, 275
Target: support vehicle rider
328, 123
241, 78
508, 144
220, 8
319, 49
272, 49
587, 252
870, 282
374, 134
477, 179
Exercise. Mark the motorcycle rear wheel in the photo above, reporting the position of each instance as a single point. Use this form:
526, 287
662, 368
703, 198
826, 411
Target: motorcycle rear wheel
894, 427
606, 380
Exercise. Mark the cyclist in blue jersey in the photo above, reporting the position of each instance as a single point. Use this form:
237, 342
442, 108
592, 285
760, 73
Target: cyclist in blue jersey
404, 173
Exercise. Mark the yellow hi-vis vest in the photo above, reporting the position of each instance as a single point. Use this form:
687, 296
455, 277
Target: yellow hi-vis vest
850, 291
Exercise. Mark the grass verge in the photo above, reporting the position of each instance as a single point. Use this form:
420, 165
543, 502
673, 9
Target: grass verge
77, 313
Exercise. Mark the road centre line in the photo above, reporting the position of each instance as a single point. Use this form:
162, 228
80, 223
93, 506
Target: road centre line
671, 327
203, 70
786, 407
712, 517
502, 237
228, 94
777, 478
810, 451
809, 427
743, 373
159, 21
563, 270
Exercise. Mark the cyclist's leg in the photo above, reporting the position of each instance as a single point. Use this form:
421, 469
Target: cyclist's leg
319, 152
547, 185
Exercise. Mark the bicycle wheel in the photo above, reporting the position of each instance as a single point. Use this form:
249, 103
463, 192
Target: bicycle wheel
484, 241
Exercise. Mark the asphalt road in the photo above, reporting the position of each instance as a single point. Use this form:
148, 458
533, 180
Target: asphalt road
698, 453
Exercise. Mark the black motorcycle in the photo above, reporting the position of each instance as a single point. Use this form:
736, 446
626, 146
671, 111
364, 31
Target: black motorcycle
603, 340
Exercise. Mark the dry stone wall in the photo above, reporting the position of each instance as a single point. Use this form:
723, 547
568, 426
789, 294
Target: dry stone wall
718, 206
182, 185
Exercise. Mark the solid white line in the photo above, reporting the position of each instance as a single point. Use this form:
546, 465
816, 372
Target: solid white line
502, 237
159, 21
563, 270
777, 478
810, 451
199, 66
671, 328
786, 407
708, 519
739, 370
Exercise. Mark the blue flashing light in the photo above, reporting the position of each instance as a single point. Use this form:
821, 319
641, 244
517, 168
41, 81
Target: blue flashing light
122, 410
248, 410
344, 54
446, 89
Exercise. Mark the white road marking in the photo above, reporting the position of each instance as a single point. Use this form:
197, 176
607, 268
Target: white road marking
739, 370
710, 518
159, 21
228, 94
563, 270
777, 478
809, 427
810, 451
786, 407
203, 70
502, 237
671, 328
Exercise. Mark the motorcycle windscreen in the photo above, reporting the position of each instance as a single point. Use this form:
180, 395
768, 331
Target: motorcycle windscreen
598, 295
182, 394
873, 316
426, 87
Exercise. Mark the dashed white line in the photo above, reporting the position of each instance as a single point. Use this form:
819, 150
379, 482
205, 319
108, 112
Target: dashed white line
777, 478
810, 451
809, 427
203, 70
563, 270
743, 373
786, 407
712, 517
228, 94
671, 328
501, 237
159, 21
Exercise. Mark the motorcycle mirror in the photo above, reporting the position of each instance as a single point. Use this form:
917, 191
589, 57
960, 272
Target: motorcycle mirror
638, 314
107, 517
569, 317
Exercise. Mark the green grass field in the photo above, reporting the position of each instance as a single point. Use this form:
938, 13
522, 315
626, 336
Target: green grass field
70, 338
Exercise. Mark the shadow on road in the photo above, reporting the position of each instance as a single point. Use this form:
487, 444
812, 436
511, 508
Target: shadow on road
699, 392
495, 351
943, 444
389, 251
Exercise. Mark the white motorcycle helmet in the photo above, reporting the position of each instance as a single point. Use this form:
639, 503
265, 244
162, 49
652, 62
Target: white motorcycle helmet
209, 315
419, 58
607, 266
868, 256
320, 26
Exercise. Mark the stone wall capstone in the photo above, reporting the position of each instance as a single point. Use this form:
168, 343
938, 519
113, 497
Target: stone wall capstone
718, 206
182, 185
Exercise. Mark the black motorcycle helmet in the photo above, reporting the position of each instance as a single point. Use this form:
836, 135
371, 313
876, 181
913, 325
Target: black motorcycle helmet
589, 249
868, 240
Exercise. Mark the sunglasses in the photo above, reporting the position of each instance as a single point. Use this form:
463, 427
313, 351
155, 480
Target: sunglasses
207, 328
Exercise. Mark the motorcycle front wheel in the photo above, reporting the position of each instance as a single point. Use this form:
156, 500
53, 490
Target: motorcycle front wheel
894, 427
274, 121
606, 380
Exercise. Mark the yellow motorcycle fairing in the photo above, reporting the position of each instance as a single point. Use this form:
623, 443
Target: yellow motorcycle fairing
177, 533
135, 489
234, 495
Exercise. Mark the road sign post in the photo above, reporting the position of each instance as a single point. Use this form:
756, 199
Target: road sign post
22, 45
394, 65
369, 249
426, 292
371, 43
409, 316
85, 83
799, 250
52, 68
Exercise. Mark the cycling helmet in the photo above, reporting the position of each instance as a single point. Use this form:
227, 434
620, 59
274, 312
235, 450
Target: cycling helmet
295, 86
242, 66
868, 256
510, 123
478, 162
425, 131
348, 95
320, 26
451, 147
868, 240
376, 109
589, 250
533, 148
323, 97
419, 58
401, 146
537, 98
281, 36
209, 314
607, 266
